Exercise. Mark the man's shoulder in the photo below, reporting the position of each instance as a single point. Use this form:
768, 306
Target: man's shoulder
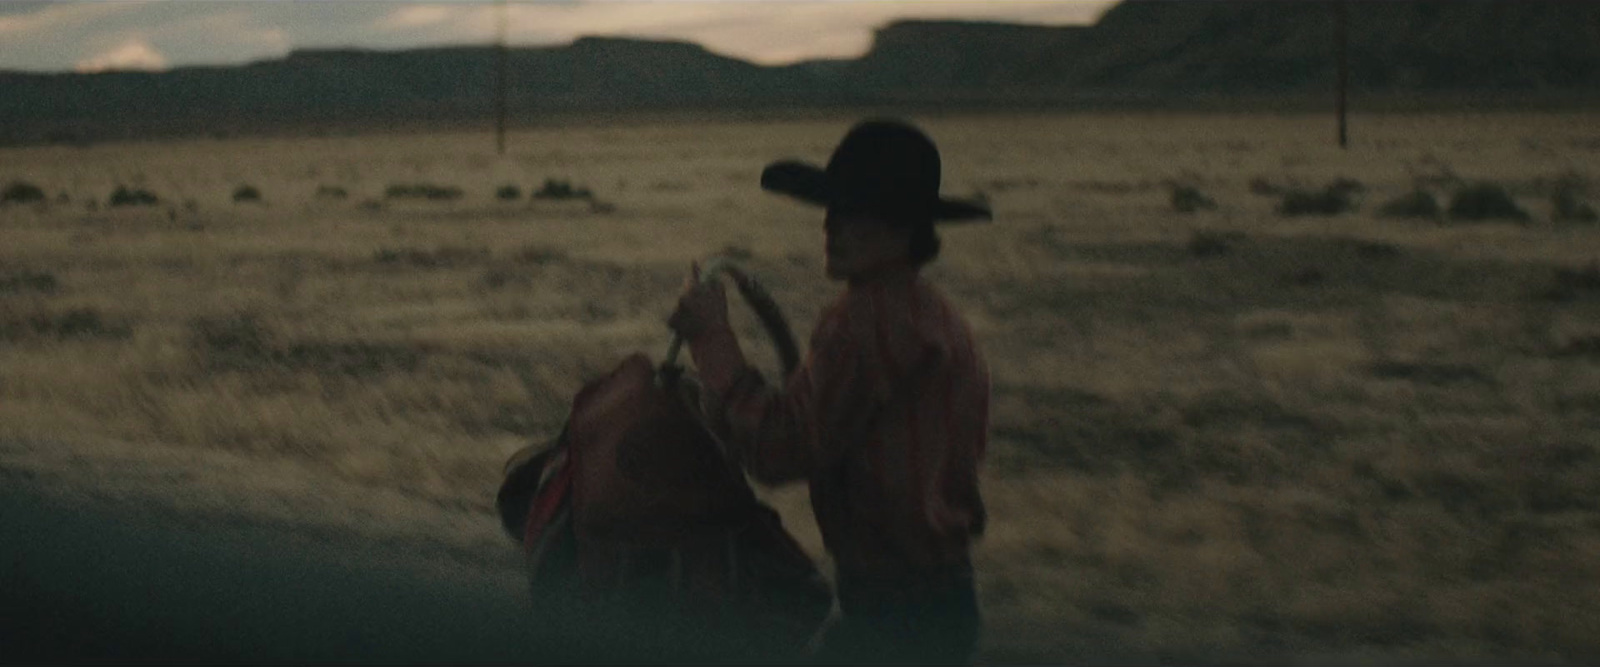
909, 316
874, 320
856, 305
836, 318
942, 313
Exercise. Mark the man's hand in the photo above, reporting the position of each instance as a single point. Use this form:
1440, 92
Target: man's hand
701, 308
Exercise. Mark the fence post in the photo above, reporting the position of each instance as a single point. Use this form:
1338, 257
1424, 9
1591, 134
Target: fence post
1342, 56
500, 78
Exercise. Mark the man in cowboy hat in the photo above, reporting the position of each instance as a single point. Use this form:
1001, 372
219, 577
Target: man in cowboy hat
887, 418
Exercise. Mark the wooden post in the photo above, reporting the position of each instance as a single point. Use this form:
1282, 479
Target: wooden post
500, 79
1342, 55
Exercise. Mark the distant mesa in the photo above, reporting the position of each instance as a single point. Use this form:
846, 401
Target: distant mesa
1141, 52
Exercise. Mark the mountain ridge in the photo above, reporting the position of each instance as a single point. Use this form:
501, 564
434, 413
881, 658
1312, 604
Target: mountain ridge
1140, 52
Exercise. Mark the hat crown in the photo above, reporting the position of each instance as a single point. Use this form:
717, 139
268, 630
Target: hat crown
882, 166
887, 161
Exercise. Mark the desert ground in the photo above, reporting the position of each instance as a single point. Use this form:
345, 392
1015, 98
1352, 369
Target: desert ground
1222, 435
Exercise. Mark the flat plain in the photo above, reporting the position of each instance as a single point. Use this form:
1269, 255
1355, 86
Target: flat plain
1224, 435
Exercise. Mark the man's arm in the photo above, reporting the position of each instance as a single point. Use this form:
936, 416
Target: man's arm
830, 403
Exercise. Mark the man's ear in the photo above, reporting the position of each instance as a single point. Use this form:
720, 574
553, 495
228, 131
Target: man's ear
904, 236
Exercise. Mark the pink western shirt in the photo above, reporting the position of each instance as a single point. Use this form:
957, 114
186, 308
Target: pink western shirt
887, 418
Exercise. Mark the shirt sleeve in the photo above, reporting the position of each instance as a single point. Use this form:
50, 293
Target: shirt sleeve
830, 404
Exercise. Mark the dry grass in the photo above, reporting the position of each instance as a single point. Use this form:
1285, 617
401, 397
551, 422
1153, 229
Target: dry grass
1218, 437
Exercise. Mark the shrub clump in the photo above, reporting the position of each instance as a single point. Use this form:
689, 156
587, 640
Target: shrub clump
508, 193
494, 279
237, 341
1414, 204
1188, 199
1485, 201
123, 196
1569, 284
1207, 243
21, 192
539, 254
1567, 205
1262, 186
1348, 185
28, 281
86, 323
1307, 277
423, 191
1338, 197
561, 189
1581, 346
73, 324
246, 193
332, 192
443, 257
737, 253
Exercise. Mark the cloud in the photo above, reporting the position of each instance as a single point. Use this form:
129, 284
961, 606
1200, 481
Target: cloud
52, 36
24, 19
411, 17
134, 54
238, 32
776, 31
764, 31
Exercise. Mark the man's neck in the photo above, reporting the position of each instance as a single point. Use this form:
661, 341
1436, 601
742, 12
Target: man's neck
893, 274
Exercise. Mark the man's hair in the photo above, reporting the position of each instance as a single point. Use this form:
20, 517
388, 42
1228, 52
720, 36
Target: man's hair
924, 244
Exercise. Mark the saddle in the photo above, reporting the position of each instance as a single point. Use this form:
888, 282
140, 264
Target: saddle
634, 519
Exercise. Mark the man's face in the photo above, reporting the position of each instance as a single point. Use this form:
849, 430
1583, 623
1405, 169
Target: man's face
859, 244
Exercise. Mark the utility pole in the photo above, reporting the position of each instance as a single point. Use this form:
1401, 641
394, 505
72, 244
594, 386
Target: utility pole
500, 78
1341, 22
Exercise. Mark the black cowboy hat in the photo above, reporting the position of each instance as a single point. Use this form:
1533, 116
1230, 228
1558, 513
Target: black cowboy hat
887, 167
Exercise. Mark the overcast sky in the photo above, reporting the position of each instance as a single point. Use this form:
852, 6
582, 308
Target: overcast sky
159, 34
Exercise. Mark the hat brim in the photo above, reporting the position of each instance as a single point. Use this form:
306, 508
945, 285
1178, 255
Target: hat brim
811, 184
